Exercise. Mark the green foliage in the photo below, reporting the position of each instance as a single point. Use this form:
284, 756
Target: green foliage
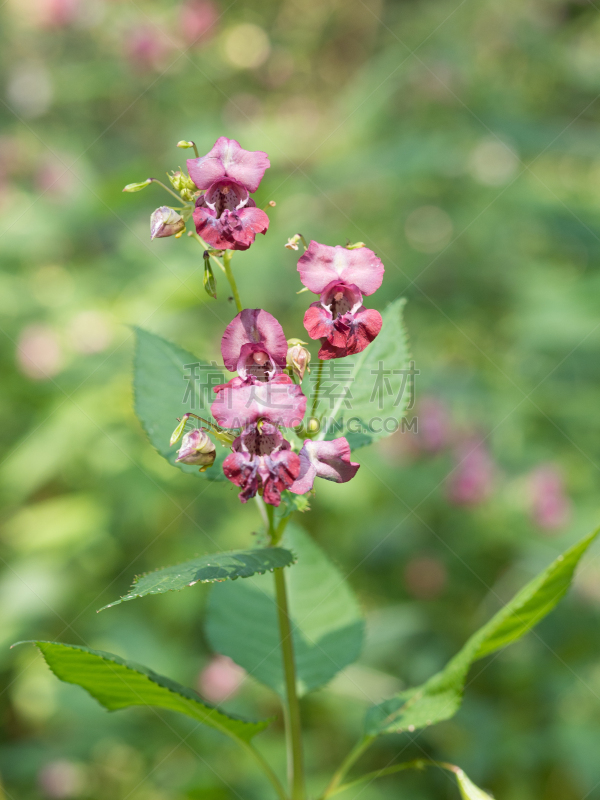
208, 569
116, 683
325, 617
441, 697
468, 790
369, 408
160, 387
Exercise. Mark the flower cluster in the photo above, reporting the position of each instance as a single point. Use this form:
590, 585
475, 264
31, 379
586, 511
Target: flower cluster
341, 276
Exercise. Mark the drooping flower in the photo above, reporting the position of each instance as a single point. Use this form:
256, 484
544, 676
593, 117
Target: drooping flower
341, 277
241, 402
197, 449
225, 215
262, 459
165, 222
329, 460
298, 358
254, 345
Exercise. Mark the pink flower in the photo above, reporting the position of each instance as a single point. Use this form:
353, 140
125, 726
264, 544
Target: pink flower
254, 344
220, 680
197, 20
329, 460
262, 459
550, 507
242, 402
341, 277
225, 215
472, 480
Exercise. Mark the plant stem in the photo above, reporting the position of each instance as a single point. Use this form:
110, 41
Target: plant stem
227, 256
317, 388
266, 768
166, 188
293, 725
352, 756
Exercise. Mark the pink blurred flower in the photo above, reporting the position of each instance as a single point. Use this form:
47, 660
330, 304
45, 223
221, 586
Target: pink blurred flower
55, 13
225, 215
341, 277
145, 47
550, 508
329, 460
39, 354
472, 480
220, 680
197, 21
434, 425
61, 779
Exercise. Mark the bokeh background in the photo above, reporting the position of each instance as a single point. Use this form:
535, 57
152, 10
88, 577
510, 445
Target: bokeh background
460, 141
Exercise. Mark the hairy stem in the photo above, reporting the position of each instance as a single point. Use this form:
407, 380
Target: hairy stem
227, 256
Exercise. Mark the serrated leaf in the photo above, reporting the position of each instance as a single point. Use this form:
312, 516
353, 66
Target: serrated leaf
116, 683
163, 394
370, 399
326, 620
208, 569
468, 790
441, 696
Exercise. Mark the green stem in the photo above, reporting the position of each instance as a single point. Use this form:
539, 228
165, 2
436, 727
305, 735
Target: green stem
293, 724
205, 247
352, 756
266, 768
315, 402
166, 188
227, 256
418, 763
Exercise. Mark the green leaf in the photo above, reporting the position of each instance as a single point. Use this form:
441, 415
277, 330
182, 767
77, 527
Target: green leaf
163, 394
468, 790
208, 569
370, 402
326, 620
441, 696
116, 683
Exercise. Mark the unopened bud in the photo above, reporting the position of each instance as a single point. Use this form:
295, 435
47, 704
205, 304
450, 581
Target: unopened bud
165, 222
178, 432
182, 182
313, 425
209, 281
185, 145
298, 357
197, 449
355, 246
137, 187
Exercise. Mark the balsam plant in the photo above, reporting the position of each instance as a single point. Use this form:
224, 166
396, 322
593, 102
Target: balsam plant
294, 629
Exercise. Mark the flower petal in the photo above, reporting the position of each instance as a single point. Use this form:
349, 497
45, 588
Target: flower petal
240, 403
329, 460
253, 326
232, 230
366, 325
228, 159
322, 264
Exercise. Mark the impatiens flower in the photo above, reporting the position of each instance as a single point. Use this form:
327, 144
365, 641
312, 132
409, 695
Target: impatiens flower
254, 344
225, 215
165, 222
329, 460
197, 449
298, 357
262, 459
241, 402
341, 277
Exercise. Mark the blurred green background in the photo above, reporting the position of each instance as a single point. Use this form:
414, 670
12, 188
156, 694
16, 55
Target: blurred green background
461, 142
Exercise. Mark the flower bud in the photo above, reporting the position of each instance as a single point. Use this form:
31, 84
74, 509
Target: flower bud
298, 357
165, 222
185, 145
293, 241
197, 449
181, 182
137, 187
178, 432
355, 246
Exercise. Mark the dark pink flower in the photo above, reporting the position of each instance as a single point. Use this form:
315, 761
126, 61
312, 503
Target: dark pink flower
254, 345
242, 402
550, 507
197, 19
341, 277
225, 215
262, 459
329, 460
